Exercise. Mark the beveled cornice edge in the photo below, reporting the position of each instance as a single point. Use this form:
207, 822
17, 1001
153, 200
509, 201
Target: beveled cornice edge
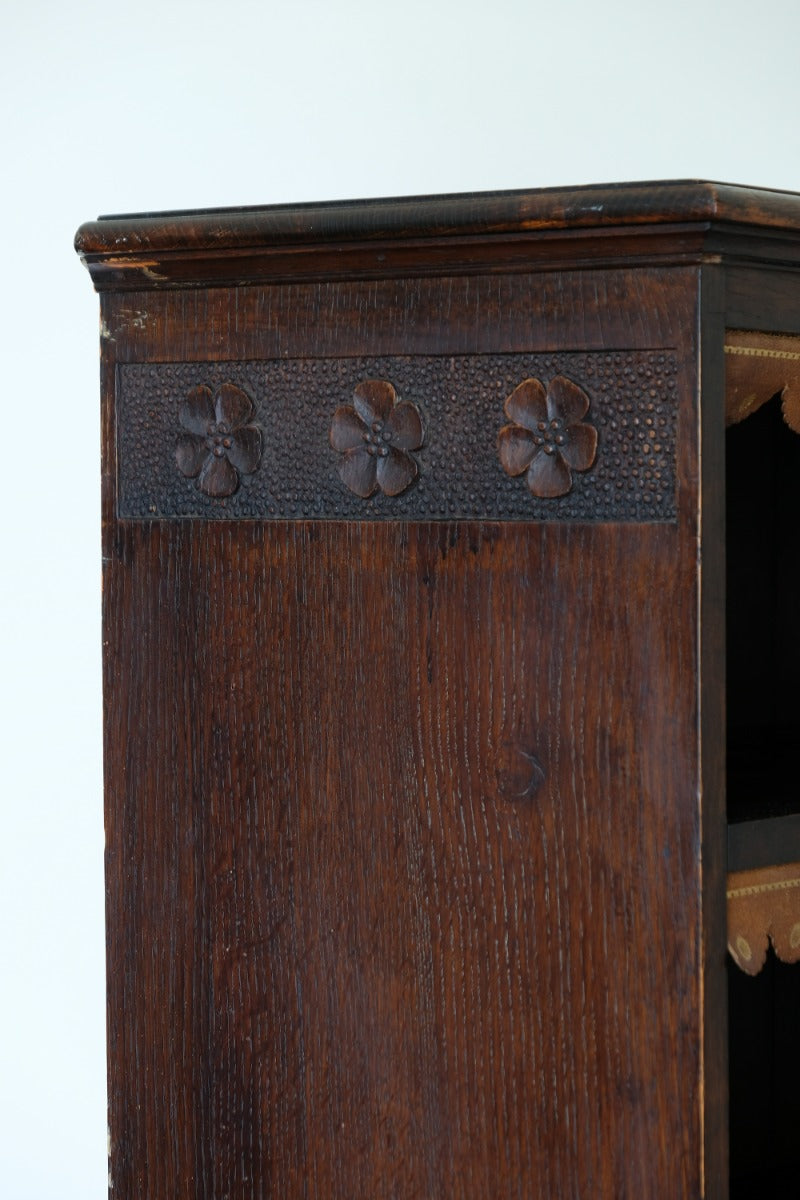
481, 213
510, 230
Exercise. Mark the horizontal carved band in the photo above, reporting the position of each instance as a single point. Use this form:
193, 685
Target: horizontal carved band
401, 438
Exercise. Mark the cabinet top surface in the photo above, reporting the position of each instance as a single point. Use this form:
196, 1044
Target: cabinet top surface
114, 247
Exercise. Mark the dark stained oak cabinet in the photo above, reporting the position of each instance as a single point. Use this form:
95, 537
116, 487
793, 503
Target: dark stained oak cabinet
416, 682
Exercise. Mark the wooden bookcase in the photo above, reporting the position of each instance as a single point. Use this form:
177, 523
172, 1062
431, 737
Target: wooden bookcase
420, 715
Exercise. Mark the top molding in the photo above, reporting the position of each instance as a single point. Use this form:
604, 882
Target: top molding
675, 221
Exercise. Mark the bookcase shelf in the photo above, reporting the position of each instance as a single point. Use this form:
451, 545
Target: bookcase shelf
438, 702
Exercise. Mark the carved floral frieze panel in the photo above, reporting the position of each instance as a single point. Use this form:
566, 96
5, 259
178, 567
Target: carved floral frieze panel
578, 436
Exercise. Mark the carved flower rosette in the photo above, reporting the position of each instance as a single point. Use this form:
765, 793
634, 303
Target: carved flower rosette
219, 443
374, 435
548, 437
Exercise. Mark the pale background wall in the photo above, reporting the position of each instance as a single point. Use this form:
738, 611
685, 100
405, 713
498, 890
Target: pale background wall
183, 104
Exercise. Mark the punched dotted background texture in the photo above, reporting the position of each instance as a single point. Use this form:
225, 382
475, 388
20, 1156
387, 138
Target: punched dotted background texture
633, 406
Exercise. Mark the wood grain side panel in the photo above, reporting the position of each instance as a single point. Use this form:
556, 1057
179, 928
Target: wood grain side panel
353, 950
349, 956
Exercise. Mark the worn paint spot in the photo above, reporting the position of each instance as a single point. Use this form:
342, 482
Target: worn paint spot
135, 318
130, 264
